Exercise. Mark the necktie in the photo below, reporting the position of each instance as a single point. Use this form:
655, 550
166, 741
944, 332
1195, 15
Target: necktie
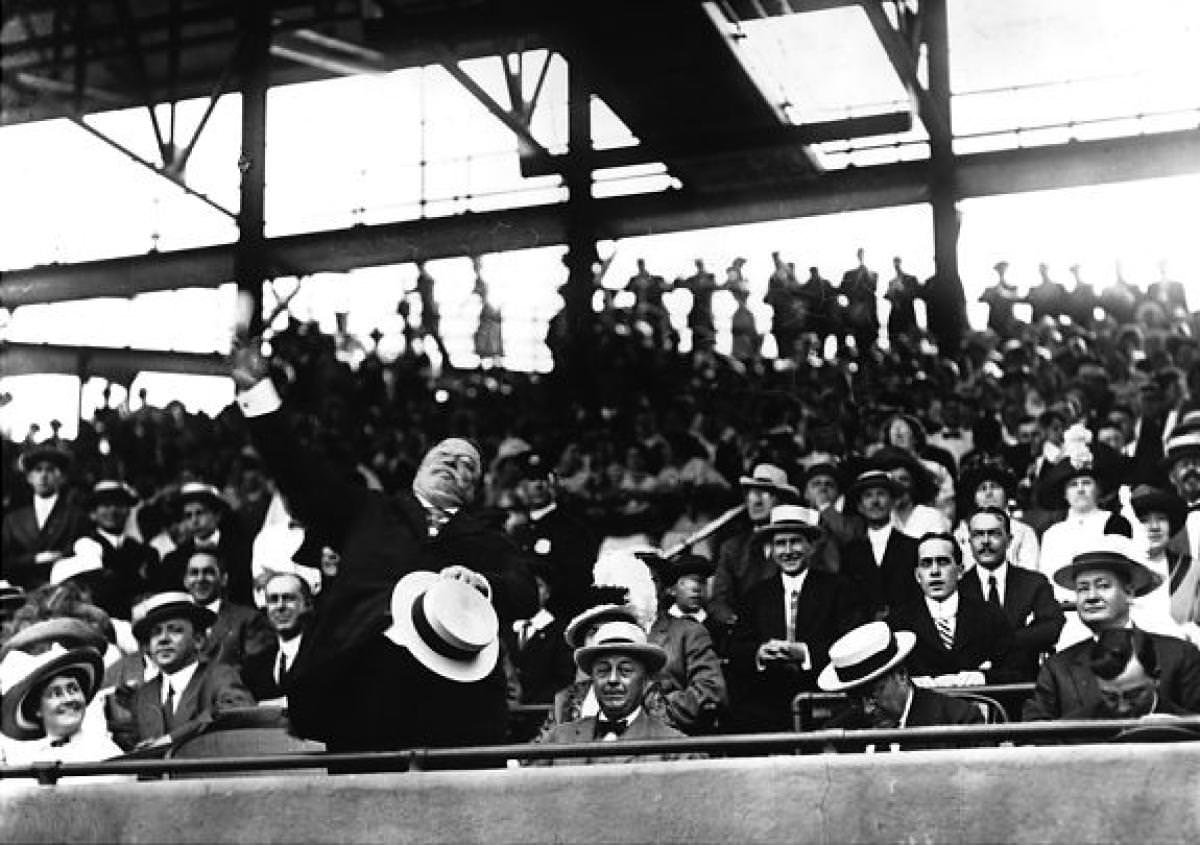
793, 605
945, 632
993, 592
169, 706
59, 742
283, 667
525, 634
604, 727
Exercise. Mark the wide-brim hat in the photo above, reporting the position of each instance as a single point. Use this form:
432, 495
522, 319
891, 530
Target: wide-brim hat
22, 675
197, 491
870, 479
769, 477
793, 519
115, 492
45, 452
11, 595
585, 624
1146, 499
983, 471
863, 654
448, 626
66, 631
621, 637
170, 605
688, 563
924, 487
1103, 467
1141, 578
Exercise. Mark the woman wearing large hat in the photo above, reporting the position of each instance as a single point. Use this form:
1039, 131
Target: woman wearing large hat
44, 698
990, 484
1077, 482
913, 513
1174, 604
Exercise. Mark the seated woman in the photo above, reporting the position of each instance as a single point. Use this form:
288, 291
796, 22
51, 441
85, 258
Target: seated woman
45, 697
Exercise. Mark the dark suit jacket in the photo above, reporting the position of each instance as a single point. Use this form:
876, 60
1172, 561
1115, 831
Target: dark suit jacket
234, 549
827, 609
258, 672
213, 688
644, 727
886, 584
239, 632
981, 633
21, 540
928, 708
1031, 610
129, 566
567, 548
1066, 684
741, 565
381, 538
545, 664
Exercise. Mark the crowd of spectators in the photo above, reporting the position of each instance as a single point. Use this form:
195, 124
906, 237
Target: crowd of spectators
883, 480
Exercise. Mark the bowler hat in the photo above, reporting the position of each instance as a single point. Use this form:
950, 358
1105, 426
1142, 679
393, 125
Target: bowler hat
45, 452
864, 654
23, 675
169, 605
769, 477
448, 625
1140, 578
792, 519
689, 564
620, 637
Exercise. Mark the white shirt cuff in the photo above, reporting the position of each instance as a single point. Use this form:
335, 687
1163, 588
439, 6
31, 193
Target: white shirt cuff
260, 400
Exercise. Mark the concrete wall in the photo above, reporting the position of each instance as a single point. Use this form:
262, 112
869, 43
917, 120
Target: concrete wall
1127, 793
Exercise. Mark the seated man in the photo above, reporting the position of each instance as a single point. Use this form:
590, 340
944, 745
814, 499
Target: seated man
1106, 580
1125, 664
960, 640
868, 664
238, 632
620, 662
188, 690
289, 610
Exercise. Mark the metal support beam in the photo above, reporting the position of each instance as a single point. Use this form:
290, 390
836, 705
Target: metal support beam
251, 261
518, 124
119, 365
1075, 164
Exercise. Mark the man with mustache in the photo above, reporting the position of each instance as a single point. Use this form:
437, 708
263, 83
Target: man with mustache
338, 690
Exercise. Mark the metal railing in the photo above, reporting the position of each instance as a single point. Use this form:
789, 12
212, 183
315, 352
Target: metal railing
736, 745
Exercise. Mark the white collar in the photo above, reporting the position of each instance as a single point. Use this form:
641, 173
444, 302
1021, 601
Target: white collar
535, 515
1001, 573
700, 615
289, 648
912, 693
946, 609
114, 540
214, 606
883, 530
430, 506
42, 507
179, 681
793, 582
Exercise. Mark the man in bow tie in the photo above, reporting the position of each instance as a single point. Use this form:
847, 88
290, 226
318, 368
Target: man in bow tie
620, 662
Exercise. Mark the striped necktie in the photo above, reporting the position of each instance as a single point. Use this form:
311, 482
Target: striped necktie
793, 606
945, 632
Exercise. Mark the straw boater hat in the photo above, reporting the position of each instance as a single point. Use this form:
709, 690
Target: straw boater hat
170, 605
619, 636
1111, 555
769, 477
580, 629
794, 519
87, 556
24, 675
1146, 499
870, 479
1181, 445
448, 626
862, 655
197, 491
115, 492
45, 452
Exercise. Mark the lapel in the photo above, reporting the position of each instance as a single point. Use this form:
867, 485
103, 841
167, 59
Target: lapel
150, 714
640, 728
812, 607
927, 628
770, 609
24, 526
189, 703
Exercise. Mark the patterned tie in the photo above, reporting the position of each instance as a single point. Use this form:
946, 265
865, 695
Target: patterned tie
945, 632
793, 606
994, 592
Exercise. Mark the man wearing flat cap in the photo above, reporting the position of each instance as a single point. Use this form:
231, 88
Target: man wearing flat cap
1106, 579
787, 624
741, 560
620, 663
188, 691
33, 537
868, 664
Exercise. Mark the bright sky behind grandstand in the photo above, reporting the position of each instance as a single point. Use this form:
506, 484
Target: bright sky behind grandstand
368, 149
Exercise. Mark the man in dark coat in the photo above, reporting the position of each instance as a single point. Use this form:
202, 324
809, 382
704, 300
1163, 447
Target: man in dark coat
1025, 597
33, 537
289, 606
211, 527
348, 672
868, 664
238, 631
564, 545
787, 624
955, 634
1125, 664
1106, 580
881, 564
127, 560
